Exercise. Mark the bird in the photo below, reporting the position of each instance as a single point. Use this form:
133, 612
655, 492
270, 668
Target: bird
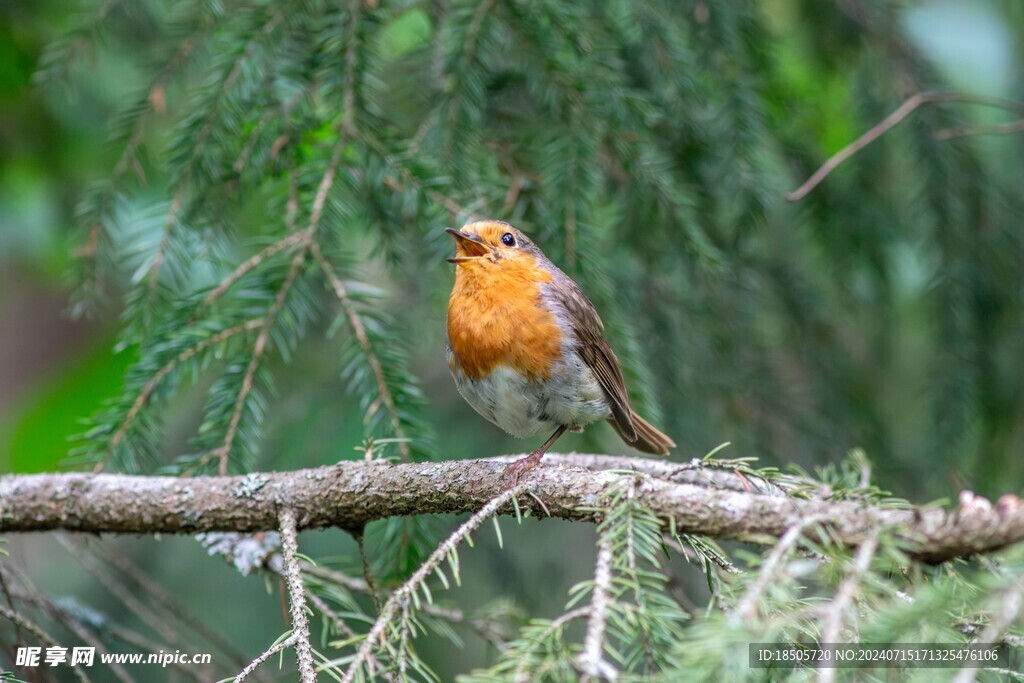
526, 347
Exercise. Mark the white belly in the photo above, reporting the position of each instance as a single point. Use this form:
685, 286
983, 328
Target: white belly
571, 397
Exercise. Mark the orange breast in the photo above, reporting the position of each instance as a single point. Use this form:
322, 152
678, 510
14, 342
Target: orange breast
496, 317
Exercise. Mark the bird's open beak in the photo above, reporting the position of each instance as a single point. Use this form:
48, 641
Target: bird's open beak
470, 247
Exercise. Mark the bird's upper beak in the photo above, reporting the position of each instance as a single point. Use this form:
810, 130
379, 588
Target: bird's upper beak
468, 246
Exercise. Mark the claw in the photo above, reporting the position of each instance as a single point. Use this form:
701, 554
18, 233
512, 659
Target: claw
513, 471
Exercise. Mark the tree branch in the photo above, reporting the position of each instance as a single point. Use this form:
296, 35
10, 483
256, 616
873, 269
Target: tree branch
273, 650
908, 107
351, 494
296, 595
591, 661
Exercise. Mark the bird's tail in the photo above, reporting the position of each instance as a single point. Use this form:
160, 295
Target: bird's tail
648, 438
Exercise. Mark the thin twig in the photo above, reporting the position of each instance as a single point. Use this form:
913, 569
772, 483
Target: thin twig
229, 82
197, 145
89, 562
364, 559
321, 605
325, 183
161, 250
746, 608
483, 8
454, 208
224, 451
259, 347
153, 98
160, 595
128, 157
10, 603
844, 596
270, 652
403, 594
85, 635
1009, 607
903, 111
296, 595
336, 619
38, 632
359, 330
522, 673
147, 390
991, 129
348, 116
487, 628
275, 149
250, 263
332, 576
155, 380
591, 661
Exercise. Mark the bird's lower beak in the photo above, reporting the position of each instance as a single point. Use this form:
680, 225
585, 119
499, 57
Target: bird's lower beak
468, 247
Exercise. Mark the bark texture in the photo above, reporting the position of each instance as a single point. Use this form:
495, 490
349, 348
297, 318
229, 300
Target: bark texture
718, 503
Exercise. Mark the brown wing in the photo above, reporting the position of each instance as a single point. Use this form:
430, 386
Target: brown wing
596, 353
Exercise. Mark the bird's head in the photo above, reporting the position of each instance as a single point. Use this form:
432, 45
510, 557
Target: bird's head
492, 243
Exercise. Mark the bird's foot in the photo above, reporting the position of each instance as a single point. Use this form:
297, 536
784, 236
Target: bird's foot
511, 474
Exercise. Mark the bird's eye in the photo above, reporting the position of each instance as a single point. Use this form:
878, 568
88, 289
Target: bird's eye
508, 239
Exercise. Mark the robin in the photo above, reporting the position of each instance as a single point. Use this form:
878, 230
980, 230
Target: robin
526, 349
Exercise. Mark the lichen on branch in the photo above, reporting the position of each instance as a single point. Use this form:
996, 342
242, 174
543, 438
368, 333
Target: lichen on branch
352, 494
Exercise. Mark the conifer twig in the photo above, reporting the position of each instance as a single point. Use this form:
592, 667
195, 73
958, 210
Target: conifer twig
469, 43
591, 660
165, 242
154, 381
270, 652
1007, 128
28, 592
160, 596
38, 632
223, 452
350, 582
402, 594
359, 330
843, 597
364, 559
746, 608
250, 263
127, 597
522, 672
348, 107
448, 202
229, 82
320, 199
128, 157
296, 595
908, 107
1009, 608
330, 614
10, 603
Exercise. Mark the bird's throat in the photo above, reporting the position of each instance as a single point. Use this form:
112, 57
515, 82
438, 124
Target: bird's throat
497, 315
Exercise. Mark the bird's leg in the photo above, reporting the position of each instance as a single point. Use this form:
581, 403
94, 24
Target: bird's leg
512, 472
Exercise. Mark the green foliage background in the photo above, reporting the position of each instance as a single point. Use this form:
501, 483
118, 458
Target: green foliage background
647, 147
